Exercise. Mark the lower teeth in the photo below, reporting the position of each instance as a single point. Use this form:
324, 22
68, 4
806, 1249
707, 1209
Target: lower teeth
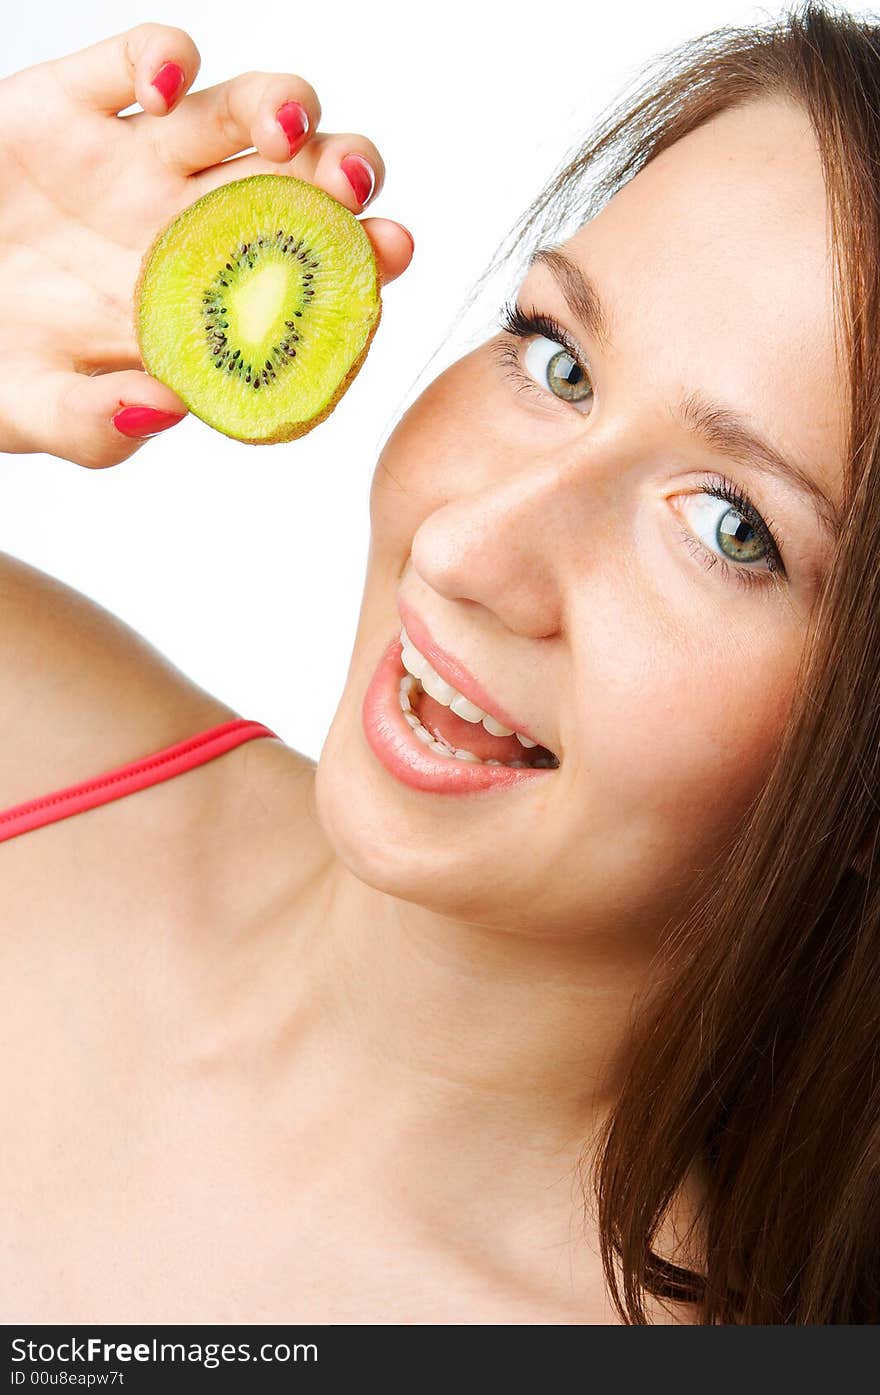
408, 685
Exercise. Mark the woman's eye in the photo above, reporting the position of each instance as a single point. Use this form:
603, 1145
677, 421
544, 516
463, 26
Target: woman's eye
727, 533
555, 369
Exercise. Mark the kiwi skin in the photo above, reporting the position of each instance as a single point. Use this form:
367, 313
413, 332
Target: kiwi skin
296, 429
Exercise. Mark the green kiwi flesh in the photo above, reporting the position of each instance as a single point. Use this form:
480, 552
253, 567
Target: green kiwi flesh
257, 306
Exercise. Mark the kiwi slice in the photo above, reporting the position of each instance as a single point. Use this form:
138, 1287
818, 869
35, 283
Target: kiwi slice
257, 305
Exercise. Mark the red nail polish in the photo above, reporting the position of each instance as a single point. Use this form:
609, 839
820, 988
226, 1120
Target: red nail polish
168, 82
144, 421
294, 122
360, 176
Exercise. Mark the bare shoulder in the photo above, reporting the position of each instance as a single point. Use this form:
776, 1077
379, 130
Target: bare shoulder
80, 690
82, 693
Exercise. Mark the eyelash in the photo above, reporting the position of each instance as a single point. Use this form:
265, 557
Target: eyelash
522, 324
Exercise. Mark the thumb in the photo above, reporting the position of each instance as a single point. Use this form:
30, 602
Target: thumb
103, 419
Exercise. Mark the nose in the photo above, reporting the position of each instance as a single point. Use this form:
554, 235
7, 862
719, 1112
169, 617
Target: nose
505, 546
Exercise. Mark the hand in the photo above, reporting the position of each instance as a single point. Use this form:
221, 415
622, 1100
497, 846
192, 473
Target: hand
83, 192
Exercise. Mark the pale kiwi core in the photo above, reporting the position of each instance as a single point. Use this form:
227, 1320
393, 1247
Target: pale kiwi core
257, 306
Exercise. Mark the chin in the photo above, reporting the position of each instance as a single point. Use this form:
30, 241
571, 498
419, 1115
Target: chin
441, 834
420, 847
375, 831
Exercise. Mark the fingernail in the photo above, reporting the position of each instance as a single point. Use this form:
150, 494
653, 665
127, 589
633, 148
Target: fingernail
168, 82
145, 421
360, 176
294, 122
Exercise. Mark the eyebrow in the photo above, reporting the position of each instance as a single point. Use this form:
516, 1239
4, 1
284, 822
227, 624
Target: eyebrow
719, 427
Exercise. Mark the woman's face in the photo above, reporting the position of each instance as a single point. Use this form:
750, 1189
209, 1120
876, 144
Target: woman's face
541, 513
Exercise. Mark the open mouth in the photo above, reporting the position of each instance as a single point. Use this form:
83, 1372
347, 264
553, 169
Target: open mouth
451, 725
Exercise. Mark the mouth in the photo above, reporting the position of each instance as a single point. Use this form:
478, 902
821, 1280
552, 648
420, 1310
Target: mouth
433, 726
453, 726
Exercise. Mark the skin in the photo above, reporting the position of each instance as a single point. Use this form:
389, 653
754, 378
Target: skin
407, 1031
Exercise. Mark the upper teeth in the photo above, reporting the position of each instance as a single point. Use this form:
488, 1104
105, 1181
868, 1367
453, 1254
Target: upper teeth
415, 663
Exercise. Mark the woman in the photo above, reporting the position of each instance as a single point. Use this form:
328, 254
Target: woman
457, 1027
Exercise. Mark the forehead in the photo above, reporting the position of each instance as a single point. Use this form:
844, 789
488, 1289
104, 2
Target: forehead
714, 265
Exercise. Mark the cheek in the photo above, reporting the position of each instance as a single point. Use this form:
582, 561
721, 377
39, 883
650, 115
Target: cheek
426, 460
678, 727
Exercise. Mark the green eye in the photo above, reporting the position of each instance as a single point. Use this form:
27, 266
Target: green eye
557, 370
725, 530
737, 538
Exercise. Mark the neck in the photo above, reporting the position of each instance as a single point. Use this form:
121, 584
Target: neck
458, 1069
531, 1029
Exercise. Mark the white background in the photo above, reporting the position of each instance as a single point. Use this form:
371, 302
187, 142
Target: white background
244, 564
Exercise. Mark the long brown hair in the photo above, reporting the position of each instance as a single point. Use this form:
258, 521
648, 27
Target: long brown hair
756, 1056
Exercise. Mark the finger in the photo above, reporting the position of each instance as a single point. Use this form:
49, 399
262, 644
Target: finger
273, 112
392, 242
101, 420
349, 167
153, 64
393, 245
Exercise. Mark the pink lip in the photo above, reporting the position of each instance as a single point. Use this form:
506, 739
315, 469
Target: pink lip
454, 671
391, 740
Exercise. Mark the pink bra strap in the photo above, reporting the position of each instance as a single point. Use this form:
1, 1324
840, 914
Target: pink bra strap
151, 770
